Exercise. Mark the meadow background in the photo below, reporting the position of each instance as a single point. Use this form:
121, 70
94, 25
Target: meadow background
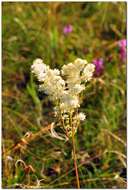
58, 33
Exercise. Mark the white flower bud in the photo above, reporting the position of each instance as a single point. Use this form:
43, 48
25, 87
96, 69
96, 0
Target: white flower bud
81, 116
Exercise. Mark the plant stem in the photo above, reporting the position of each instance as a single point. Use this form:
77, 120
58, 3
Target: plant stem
75, 159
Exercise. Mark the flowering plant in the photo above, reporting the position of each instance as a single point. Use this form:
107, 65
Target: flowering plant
63, 88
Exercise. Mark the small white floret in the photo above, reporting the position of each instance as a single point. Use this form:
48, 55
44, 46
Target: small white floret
81, 116
88, 72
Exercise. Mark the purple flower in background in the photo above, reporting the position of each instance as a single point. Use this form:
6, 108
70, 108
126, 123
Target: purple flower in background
122, 49
99, 66
67, 29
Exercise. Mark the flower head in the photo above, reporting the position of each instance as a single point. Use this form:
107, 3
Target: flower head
39, 69
122, 43
122, 49
99, 66
88, 72
53, 85
67, 29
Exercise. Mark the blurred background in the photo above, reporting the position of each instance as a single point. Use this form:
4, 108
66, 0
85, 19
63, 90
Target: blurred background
58, 33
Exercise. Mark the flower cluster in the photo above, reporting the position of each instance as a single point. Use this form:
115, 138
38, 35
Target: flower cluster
63, 88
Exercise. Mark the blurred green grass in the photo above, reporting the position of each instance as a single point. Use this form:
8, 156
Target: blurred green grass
31, 30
